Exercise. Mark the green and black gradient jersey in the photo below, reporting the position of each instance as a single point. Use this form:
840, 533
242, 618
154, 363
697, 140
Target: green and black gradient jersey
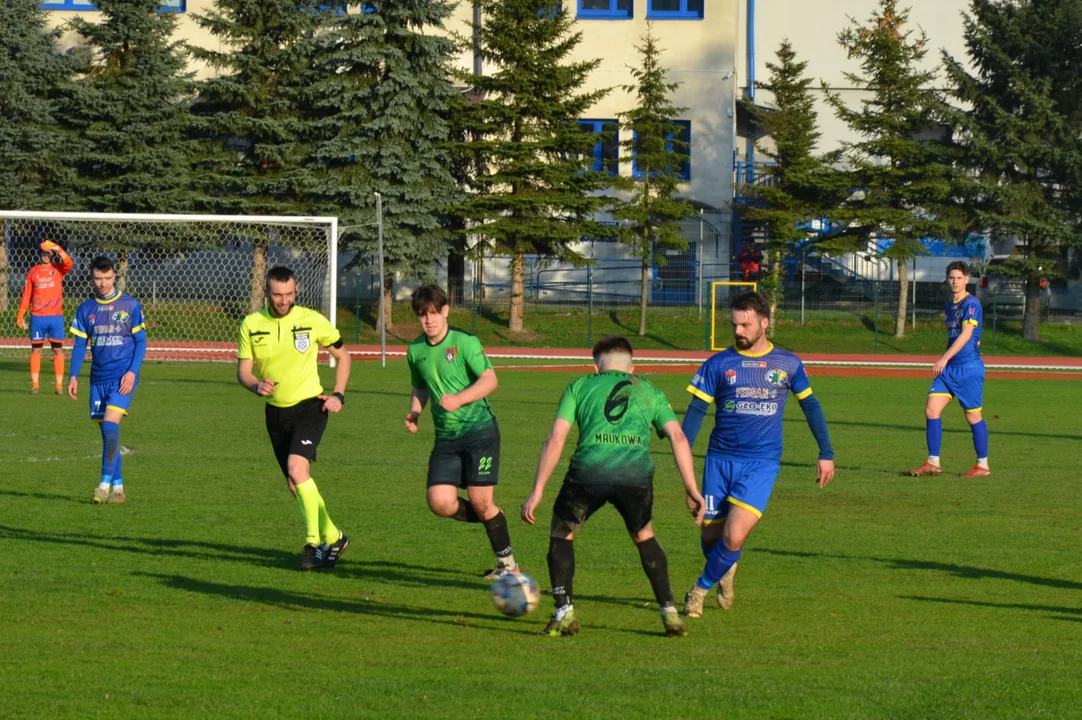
451, 366
617, 414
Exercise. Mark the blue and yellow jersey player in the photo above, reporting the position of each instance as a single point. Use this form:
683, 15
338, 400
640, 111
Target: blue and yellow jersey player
111, 325
748, 383
958, 373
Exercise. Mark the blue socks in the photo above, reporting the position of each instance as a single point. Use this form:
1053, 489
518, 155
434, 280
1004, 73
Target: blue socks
717, 564
118, 472
110, 453
933, 430
980, 439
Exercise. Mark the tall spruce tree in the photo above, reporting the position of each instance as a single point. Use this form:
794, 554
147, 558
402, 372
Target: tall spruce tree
130, 110
380, 98
801, 187
658, 150
535, 190
32, 72
905, 178
248, 119
31, 145
1020, 133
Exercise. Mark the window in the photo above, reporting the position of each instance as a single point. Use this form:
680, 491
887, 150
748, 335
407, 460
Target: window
177, 5
605, 9
607, 149
685, 170
674, 9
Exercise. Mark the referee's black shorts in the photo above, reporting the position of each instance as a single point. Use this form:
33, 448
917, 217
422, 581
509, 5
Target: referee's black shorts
296, 430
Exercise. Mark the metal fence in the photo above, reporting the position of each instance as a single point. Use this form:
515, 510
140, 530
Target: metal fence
567, 304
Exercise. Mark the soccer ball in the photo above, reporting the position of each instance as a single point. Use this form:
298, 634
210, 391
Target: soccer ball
515, 594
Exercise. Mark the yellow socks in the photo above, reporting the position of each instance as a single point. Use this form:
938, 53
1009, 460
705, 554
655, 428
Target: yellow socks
309, 500
326, 527
314, 512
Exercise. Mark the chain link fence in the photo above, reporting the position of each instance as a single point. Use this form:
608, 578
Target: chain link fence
196, 278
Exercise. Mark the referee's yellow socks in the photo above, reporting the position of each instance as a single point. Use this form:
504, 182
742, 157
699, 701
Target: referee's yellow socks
314, 512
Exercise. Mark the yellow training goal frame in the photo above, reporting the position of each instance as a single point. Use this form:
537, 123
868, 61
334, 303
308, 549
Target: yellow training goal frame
714, 307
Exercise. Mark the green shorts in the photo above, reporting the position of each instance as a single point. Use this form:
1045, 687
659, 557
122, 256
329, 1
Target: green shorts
470, 460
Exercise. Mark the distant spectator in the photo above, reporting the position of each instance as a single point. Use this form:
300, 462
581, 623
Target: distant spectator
750, 257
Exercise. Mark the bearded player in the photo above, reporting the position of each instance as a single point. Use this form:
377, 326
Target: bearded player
749, 384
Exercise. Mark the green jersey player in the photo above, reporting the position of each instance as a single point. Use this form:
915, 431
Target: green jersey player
617, 413
449, 367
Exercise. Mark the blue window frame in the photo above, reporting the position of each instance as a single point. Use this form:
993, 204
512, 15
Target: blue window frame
685, 169
607, 151
605, 9
674, 9
177, 5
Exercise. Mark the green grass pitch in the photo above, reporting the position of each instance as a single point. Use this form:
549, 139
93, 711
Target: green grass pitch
878, 596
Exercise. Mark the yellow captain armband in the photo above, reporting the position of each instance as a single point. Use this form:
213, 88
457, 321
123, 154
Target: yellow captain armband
804, 394
700, 394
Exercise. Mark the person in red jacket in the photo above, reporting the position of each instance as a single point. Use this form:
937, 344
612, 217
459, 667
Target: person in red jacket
43, 296
750, 258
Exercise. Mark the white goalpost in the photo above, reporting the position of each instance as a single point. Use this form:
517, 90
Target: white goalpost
196, 276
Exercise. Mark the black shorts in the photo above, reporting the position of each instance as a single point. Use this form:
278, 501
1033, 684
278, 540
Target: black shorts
296, 430
578, 501
470, 460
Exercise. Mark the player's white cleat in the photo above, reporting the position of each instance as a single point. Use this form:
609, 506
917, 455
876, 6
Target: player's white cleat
101, 496
693, 601
499, 571
727, 589
674, 626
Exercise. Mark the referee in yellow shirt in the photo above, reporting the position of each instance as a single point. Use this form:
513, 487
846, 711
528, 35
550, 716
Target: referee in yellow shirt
276, 359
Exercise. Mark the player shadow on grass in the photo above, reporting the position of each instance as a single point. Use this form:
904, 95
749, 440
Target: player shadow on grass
45, 496
1066, 613
266, 557
966, 572
311, 601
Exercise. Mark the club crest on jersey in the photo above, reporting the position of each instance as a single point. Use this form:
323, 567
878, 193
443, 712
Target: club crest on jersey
451, 354
301, 342
776, 377
120, 317
730, 377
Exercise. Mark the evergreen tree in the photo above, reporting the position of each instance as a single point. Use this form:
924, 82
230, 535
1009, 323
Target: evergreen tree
658, 150
380, 100
31, 73
130, 111
801, 186
535, 191
904, 180
247, 118
1020, 132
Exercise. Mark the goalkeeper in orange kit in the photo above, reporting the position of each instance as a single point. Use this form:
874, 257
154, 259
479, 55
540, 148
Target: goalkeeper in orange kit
43, 296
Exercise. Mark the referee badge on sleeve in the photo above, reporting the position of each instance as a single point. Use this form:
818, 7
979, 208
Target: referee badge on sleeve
301, 341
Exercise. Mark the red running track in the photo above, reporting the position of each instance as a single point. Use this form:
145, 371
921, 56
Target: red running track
667, 361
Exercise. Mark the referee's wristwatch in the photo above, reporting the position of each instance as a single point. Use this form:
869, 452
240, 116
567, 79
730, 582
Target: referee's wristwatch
340, 396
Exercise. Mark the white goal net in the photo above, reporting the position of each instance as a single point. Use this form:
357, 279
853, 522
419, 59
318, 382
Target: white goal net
196, 276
